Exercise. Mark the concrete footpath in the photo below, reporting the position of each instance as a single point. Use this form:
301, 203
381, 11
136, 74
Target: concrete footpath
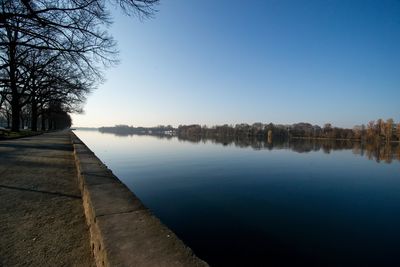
61, 206
42, 221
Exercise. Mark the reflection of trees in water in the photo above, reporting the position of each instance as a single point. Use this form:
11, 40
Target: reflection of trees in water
124, 134
385, 152
373, 151
398, 152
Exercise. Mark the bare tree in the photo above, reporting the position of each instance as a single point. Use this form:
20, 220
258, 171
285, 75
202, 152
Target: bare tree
51, 78
398, 131
388, 129
76, 29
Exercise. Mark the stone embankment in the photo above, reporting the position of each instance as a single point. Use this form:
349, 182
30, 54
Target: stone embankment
123, 232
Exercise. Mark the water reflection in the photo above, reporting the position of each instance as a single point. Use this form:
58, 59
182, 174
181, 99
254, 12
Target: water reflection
239, 202
372, 151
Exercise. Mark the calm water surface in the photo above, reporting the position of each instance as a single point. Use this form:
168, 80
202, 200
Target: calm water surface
245, 207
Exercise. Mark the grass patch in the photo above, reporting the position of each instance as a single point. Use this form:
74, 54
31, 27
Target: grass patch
13, 135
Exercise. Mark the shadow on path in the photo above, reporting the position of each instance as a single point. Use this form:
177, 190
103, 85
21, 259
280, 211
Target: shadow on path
40, 191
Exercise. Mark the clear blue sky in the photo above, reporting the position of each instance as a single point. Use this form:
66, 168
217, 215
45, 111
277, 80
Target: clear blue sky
213, 62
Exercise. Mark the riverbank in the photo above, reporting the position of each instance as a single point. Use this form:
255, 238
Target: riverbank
42, 221
123, 232
61, 206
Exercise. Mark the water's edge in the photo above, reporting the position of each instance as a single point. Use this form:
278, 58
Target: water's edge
123, 232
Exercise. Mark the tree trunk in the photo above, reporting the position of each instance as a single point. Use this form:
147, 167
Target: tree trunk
8, 121
22, 120
34, 116
50, 122
15, 114
15, 105
43, 120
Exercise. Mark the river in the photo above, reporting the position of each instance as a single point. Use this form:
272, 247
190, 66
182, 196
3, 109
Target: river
265, 205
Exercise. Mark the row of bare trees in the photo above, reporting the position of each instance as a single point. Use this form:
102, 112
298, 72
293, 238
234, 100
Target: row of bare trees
52, 53
379, 131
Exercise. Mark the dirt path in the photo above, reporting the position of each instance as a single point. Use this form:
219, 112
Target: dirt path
41, 215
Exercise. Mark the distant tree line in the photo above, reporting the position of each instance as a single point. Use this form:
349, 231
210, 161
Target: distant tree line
130, 130
378, 131
51, 56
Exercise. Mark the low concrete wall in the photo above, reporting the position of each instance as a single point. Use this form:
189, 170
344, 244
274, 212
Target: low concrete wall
123, 231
